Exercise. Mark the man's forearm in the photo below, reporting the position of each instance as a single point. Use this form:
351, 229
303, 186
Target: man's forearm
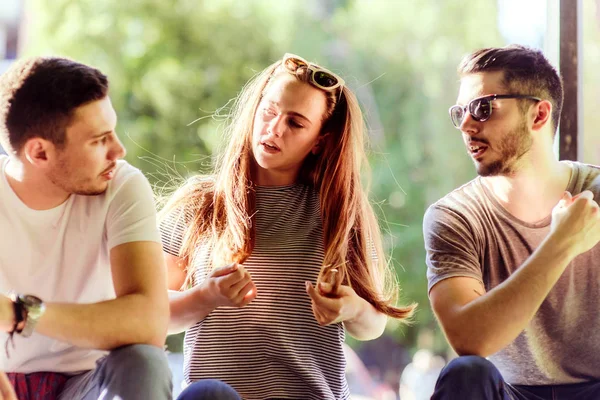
490, 322
129, 319
7, 314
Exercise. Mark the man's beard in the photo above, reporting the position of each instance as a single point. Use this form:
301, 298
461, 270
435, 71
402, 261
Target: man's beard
63, 177
512, 147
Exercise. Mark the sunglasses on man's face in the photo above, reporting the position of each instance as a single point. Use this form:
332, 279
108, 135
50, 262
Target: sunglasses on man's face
319, 77
481, 107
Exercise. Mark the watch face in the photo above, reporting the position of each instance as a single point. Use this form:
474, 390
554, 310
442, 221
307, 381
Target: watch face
35, 307
31, 301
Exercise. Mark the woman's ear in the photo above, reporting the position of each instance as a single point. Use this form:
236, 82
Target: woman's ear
319, 143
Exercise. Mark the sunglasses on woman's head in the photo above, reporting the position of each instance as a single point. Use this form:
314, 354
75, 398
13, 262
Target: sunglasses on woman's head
319, 77
481, 107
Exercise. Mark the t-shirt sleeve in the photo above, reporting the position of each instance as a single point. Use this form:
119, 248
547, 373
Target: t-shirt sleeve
450, 246
172, 228
131, 213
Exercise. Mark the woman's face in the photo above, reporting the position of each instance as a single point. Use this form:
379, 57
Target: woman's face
287, 127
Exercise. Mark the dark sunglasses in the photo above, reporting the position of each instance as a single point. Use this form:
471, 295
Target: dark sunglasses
319, 77
481, 107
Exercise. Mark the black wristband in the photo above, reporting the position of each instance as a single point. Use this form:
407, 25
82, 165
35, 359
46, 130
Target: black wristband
20, 313
20, 316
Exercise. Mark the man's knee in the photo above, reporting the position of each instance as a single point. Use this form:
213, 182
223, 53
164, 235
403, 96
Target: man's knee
139, 359
469, 377
209, 389
470, 369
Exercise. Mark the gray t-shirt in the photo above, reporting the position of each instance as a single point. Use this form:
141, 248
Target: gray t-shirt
468, 233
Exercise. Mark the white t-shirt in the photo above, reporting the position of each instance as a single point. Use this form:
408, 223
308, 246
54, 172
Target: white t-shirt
62, 255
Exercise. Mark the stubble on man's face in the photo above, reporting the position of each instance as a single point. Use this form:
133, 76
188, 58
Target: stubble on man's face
72, 175
512, 147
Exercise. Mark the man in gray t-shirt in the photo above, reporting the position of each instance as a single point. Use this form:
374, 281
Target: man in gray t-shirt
513, 256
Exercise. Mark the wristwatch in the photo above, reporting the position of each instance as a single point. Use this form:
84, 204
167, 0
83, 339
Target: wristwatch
34, 308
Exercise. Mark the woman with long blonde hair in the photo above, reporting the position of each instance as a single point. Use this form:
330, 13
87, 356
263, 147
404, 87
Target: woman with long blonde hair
278, 253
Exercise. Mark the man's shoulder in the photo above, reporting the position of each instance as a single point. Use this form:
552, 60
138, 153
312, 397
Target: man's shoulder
127, 182
587, 177
461, 198
585, 168
125, 176
460, 209
124, 171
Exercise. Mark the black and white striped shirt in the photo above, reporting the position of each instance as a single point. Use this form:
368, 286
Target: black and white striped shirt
273, 348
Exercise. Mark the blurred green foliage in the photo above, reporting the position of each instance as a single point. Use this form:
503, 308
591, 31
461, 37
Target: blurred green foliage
175, 62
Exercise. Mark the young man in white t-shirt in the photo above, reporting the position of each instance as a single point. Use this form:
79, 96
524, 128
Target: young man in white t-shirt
83, 298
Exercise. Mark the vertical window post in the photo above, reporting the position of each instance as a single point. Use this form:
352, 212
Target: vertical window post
571, 123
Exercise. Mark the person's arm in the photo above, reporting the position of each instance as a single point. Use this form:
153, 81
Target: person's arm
187, 307
139, 314
230, 285
361, 320
7, 392
140, 311
7, 314
480, 323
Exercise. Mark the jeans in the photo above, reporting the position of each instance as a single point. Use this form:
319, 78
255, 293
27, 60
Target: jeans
131, 372
472, 377
209, 389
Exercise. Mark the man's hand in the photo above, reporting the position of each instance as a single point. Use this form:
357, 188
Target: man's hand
230, 285
7, 392
345, 306
7, 314
576, 222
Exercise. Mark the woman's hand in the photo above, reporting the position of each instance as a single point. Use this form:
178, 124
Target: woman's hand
230, 286
7, 392
328, 308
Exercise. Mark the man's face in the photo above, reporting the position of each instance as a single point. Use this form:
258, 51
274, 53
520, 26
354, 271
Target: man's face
498, 144
88, 160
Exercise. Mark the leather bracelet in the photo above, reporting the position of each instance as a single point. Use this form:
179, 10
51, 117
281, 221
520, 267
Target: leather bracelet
20, 316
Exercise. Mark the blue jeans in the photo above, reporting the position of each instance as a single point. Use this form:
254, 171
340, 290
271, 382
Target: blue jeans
472, 377
209, 389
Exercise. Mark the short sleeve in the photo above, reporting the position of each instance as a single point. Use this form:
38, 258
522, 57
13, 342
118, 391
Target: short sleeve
176, 220
131, 213
172, 229
450, 246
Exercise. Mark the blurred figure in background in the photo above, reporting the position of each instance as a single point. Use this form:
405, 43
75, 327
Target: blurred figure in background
418, 378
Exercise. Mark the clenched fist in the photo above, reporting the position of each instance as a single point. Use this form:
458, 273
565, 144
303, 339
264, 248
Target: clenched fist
576, 222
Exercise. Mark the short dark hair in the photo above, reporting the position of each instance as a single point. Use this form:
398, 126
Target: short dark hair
526, 71
38, 97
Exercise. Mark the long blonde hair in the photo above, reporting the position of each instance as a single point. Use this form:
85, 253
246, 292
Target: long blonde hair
220, 207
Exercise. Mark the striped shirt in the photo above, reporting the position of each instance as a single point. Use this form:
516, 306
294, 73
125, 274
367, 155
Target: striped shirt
273, 348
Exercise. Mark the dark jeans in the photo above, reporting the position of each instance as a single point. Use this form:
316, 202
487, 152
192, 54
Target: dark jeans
209, 389
472, 377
